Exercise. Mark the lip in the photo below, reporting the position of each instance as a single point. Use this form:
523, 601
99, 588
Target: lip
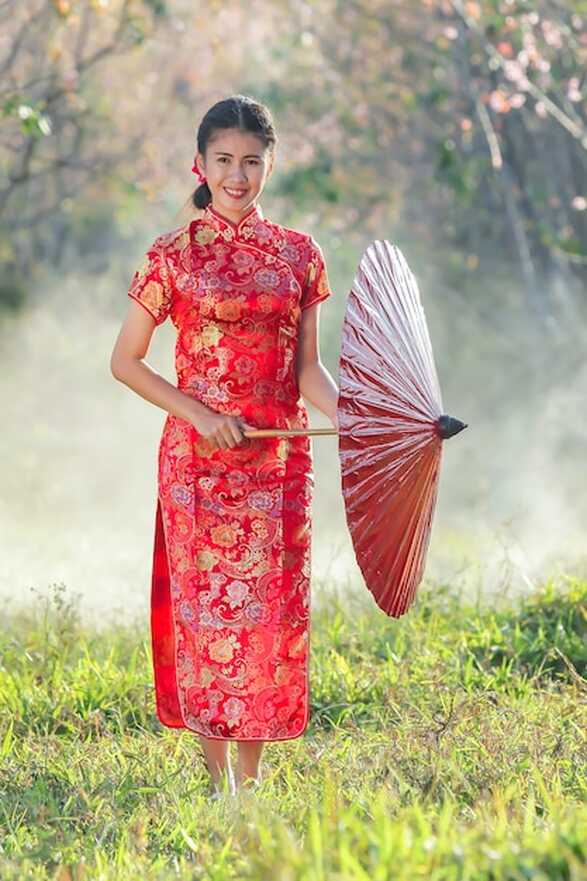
240, 195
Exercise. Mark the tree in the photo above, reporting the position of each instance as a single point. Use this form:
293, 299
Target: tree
57, 135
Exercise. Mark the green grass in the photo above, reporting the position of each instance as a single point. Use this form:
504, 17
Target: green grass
451, 744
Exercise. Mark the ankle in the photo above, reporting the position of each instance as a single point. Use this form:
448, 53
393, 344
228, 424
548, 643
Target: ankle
248, 777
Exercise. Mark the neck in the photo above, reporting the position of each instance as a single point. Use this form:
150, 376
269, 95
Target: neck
233, 216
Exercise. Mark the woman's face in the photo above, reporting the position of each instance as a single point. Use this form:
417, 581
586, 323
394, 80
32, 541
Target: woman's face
236, 166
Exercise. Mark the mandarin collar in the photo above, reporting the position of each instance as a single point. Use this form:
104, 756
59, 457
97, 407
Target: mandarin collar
219, 221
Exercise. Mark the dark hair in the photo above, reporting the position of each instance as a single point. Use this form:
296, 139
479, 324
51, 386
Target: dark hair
238, 112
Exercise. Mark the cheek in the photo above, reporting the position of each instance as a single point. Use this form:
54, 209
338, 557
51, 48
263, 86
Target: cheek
218, 174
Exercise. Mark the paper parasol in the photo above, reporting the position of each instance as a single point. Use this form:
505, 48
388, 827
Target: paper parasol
391, 427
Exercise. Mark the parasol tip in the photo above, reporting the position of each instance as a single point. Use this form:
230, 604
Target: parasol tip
447, 426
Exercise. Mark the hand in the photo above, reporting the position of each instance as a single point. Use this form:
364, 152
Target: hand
219, 429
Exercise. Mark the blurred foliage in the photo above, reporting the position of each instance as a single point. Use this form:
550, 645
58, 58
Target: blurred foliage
311, 182
461, 123
13, 289
475, 110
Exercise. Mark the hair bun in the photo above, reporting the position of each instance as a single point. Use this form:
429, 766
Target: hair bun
202, 196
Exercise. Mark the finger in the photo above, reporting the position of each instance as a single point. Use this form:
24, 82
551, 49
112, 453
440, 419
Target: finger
220, 440
236, 431
228, 435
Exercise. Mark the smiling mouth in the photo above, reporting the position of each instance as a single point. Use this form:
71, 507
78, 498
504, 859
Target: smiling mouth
235, 193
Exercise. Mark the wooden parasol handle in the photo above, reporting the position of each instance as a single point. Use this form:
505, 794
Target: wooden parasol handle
290, 432
445, 426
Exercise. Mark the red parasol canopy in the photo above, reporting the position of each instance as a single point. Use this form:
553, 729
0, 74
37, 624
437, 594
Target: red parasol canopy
391, 427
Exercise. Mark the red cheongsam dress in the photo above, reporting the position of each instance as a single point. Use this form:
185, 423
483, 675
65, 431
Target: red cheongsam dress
230, 593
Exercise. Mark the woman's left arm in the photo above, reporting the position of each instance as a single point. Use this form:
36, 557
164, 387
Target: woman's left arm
314, 381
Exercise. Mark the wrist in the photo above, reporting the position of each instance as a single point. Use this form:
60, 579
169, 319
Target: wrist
194, 408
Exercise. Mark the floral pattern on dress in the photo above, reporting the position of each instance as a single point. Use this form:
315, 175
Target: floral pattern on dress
230, 597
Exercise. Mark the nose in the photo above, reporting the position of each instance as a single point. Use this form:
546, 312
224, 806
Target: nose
240, 176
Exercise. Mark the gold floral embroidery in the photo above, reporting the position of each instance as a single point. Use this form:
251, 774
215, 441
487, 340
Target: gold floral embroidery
205, 235
203, 447
221, 650
183, 239
211, 335
223, 535
228, 310
316, 279
144, 269
323, 287
259, 528
205, 560
150, 284
298, 646
282, 675
206, 677
152, 295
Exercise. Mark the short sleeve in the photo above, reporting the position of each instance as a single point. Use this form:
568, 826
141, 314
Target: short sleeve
151, 284
316, 285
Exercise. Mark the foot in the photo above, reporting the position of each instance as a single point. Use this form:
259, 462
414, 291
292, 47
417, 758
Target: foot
249, 783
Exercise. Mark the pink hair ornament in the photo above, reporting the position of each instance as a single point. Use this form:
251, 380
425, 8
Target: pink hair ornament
197, 171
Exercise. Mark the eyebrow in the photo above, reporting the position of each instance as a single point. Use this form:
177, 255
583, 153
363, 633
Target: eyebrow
248, 156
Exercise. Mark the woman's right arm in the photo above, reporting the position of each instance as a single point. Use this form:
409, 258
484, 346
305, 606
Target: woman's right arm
127, 366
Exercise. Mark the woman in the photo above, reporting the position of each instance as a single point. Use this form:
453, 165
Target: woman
230, 596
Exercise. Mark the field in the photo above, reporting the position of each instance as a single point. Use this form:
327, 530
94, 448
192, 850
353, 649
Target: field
451, 744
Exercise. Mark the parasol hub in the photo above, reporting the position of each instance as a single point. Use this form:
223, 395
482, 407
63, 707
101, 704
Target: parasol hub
447, 426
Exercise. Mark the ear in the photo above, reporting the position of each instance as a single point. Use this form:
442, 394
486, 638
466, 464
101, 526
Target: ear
270, 163
200, 163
